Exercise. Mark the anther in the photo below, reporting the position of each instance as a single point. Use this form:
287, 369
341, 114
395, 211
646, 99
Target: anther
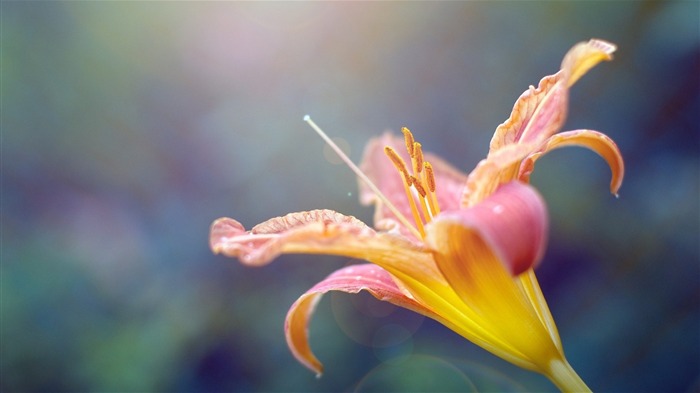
397, 160
419, 187
407, 180
417, 157
429, 176
408, 137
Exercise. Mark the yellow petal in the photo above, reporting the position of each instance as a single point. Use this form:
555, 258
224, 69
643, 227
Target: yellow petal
529, 283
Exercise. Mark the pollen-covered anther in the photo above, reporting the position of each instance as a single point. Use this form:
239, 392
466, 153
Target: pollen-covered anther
429, 182
396, 160
417, 158
429, 176
408, 137
421, 178
418, 186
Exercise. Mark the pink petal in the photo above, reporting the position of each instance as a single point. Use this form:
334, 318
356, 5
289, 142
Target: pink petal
539, 113
381, 171
512, 222
594, 140
379, 168
351, 279
449, 182
312, 231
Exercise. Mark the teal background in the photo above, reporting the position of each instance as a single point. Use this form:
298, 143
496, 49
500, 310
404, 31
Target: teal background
128, 127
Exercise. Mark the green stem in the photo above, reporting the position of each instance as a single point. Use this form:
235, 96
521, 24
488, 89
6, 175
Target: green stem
565, 378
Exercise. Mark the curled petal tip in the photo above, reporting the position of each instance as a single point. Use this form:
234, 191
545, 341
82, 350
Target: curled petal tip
618, 172
604, 46
222, 229
584, 56
351, 279
296, 331
597, 142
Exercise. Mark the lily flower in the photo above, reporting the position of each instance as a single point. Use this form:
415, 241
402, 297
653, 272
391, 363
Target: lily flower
460, 249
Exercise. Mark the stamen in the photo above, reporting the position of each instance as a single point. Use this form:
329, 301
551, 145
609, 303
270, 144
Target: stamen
407, 181
408, 137
417, 158
427, 213
414, 209
397, 160
429, 177
422, 179
418, 186
419, 234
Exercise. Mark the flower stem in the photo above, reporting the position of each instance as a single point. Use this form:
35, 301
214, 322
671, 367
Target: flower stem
565, 378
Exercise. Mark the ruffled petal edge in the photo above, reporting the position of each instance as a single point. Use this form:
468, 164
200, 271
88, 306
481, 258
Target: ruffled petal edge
315, 231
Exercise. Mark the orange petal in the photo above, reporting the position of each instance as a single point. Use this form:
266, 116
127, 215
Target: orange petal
594, 140
539, 113
351, 279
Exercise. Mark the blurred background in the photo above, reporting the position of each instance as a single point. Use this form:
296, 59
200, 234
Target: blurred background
128, 127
